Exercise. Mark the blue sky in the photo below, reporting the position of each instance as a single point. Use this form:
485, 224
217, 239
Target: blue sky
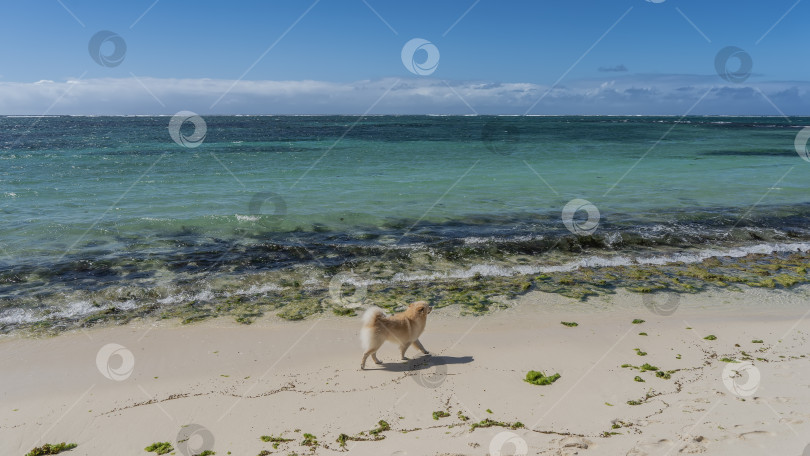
345, 56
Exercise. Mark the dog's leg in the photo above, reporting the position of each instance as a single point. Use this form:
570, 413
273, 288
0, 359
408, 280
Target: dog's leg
373, 354
420, 347
403, 348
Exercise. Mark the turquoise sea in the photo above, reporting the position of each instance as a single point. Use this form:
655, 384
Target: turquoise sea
110, 211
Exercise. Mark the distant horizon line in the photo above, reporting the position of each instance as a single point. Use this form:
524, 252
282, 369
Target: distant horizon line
408, 115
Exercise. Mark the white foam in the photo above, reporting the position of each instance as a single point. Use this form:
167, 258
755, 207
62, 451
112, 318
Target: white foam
600, 261
485, 240
127, 305
205, 295
72, 310
76, 309
259, 289
17, 316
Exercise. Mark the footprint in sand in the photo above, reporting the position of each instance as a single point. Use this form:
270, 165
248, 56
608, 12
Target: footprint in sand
648, 448
694, 446
790, 421
755, 434
573, 445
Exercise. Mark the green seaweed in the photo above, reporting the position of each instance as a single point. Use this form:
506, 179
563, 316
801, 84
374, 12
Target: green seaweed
309, 440
637, 321
298, 297
485, 423
711, 337
160, 448
382, 426
570, 324
270, 438
376, 434
665, 375
300, 309
49, 448
344, 311
539, 378
440, 414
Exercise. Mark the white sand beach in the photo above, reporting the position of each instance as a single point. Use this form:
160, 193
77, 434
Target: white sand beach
220, 385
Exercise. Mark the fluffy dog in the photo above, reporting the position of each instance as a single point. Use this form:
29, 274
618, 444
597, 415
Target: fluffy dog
403, 329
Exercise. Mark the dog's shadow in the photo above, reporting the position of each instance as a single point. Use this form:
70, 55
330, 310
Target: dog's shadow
424, 362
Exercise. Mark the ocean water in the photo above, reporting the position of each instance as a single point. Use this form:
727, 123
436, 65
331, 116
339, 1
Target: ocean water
98, 211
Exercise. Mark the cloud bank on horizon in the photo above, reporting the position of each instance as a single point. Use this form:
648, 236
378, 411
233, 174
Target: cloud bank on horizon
630, 95
624, 57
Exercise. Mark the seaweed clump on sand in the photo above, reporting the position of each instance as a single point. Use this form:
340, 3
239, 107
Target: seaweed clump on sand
160, 448
48, 448
539, 378
485, 423
275, 440
373, 434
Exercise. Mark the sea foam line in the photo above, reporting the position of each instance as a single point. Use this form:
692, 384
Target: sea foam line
597, 261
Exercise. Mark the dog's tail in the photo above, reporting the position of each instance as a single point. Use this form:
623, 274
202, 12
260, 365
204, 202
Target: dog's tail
370, 317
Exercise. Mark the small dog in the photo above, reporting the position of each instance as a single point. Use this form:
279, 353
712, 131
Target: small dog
403, 328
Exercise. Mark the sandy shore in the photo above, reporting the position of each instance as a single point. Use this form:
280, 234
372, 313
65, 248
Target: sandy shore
223, 385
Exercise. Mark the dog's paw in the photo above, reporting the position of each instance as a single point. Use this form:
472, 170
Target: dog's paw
379, 362
427, 353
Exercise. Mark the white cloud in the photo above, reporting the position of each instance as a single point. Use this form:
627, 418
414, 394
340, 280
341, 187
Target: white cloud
628, 94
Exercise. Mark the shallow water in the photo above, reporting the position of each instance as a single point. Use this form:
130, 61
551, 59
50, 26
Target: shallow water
109, 211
